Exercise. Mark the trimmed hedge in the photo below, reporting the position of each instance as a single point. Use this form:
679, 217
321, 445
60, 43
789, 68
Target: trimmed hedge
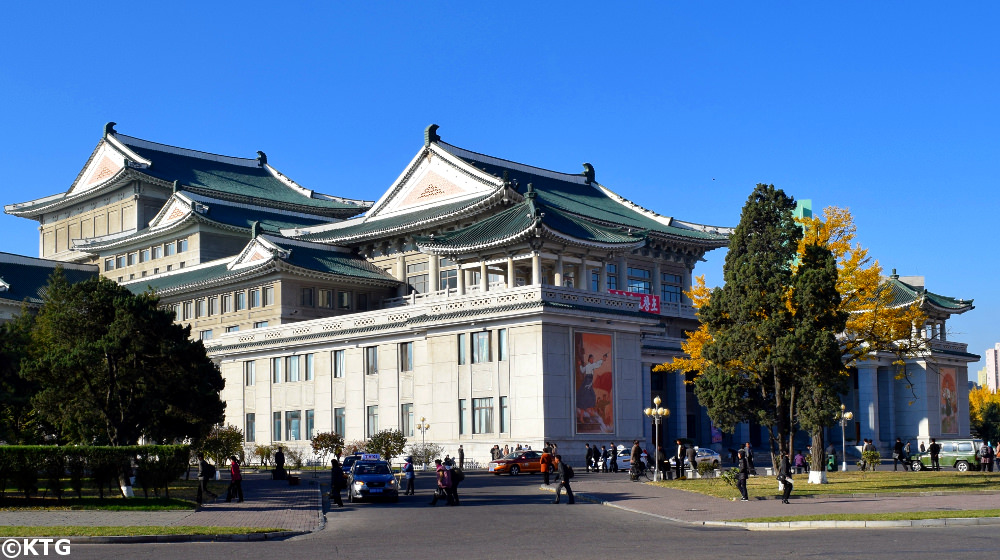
156, 466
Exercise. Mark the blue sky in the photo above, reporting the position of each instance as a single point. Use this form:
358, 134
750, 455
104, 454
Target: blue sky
886, 108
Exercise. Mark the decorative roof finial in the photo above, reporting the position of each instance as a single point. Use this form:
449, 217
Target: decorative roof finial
894, 275
588, 172
255, 229
431, 135
261, 158
109, 128
177, 186
530, 193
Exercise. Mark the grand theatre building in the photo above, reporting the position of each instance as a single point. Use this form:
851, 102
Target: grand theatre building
496, 302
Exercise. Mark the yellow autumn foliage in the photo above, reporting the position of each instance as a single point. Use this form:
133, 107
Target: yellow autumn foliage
978, 399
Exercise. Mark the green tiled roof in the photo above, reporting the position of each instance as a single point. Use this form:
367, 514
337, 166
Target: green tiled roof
271, 221
187, 277
576, 197
28, 276
220, 178
905, 294
335, 262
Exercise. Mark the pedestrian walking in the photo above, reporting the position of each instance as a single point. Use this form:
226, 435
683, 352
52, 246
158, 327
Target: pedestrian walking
461, 457
613, 457
604, 459
748, 451
679, 460
987, 455
692, 457
279, 464
565, 473
784, 477
457, 476
235, 489
443, 483
337, 482
409, 475
935, 450
897, 454
546, 465
743, 472
206, 471
588, 458
906, 456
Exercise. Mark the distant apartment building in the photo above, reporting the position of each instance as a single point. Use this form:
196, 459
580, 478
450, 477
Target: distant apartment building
992, 368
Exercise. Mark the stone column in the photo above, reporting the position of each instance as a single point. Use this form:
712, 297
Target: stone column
511, 272
623, 273
401, 274
433, 273
484, 277
558, 276
536, 269
584, 281
460, 277
602, 283
686, 284
658, 281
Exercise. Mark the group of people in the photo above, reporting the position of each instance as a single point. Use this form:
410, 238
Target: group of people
601, 460
496, 452
449, 476
206, 472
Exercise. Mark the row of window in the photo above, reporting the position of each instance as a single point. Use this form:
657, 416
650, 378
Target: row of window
481, 347
225, 303
145, 255
332, 299
286, 369
291, 420
207, 334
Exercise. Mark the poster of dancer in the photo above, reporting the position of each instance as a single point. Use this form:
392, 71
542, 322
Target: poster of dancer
949, 402
594, 382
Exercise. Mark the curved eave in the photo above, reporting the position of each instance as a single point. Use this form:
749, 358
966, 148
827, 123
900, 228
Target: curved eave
927, 304
542, 231
119, 179
237, 276
487, 202
380, 282
139, 236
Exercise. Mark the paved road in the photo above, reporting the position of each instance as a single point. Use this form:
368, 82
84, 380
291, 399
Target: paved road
507, 517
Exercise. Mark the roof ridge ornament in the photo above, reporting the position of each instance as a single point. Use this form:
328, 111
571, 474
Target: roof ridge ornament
255, 229
588, 172
177, 186
109, 128
261, 158
431, 135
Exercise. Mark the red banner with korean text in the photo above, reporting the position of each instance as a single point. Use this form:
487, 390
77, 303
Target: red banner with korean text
647, 302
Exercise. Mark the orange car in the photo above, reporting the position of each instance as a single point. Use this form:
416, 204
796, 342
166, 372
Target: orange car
517, 462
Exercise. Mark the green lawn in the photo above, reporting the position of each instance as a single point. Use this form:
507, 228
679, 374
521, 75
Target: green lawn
182, 496
892, 516
79, 531
851, 482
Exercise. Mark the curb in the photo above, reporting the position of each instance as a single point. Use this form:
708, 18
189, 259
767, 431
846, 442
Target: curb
232, 537
804, 525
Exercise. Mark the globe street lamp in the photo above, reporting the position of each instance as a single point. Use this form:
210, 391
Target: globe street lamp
844, 417
423, 426
657, 413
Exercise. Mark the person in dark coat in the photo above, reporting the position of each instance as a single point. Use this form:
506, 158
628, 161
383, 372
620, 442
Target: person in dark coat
461, 457
661, 460
743, 474
897, 454
692, 455
203, 475
337, 482
588, 458
785, 477
935, 449
279, 464
235, 481
564, 477
748, 452
679, 458
604, 459
613, 457
409, 475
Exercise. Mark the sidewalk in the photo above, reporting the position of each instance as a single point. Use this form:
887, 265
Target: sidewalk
268, 503
617, 490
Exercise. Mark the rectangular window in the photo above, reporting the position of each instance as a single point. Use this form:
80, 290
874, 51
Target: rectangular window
213, 306
156, 271
406, 419
362, 302
249, 373
205, 335
595, 280
132, 258
372, 420
120, 261
158, 252
502, 345
187, 310
276, 370
143, 273
462, 409
293, 368
344, 300
340, 421
416, 277
449, 279
504, 416
371, 360
307, 297
293, 419
639, 281
482, 415
168, 249
338, 364
461, 349
406, 356
310, 423
259, 324
241, 300
268, 295
276, 426
227, 303
254, 298
233, 328
480, 347
612, 277
144, 255
200, 308
251, 427
671, 288
109, 264
170, 267
309, 368
326, 299
182, 245
177, 312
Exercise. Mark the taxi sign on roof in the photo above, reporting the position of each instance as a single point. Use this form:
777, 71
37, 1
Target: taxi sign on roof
371, 457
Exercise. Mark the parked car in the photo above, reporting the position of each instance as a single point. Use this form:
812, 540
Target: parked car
371, 480
702, 455
348, 462
961, 454
517, 462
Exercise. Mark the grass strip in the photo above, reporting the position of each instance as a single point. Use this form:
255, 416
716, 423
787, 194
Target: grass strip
889, 516
138, 530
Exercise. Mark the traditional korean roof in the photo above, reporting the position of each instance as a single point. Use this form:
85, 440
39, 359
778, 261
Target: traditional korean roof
263, 255
907, 294
119, 158
25, 278
525, 220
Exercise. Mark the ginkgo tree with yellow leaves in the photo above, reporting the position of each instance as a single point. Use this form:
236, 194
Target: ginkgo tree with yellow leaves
984, 413
796, 386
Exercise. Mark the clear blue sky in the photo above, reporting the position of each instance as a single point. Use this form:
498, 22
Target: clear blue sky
887, 108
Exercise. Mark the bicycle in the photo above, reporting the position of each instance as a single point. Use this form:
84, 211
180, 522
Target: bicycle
640, 471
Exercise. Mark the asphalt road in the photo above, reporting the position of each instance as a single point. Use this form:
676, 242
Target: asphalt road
509, 517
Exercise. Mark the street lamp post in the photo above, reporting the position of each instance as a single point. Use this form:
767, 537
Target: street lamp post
844, 417
423, 426
657, 413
